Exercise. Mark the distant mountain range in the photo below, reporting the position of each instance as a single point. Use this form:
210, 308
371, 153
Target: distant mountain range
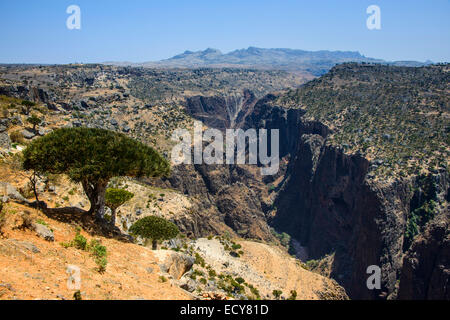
314, 62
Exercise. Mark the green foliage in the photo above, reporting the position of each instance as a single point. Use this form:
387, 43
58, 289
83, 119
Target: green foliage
42, 222
80, 242
98, 251
277, 294
195, 273
27, 103
236, 246
89, 154
293, 295
34, 120
284, 238
17, 137
77, 296
417, 219
240, 280
154, 228
312, 264
114, 198
395, 114
230, 285
212, 273
254, 291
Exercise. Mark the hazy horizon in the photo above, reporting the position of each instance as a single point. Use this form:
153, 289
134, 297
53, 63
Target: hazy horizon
142, 31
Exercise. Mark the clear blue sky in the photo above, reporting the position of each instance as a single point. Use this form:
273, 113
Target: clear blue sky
145, 30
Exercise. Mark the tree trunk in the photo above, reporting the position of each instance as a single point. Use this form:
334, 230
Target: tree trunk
96, 194
113, 216
154, 244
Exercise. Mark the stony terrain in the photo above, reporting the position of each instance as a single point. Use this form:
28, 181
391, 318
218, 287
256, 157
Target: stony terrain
352, 191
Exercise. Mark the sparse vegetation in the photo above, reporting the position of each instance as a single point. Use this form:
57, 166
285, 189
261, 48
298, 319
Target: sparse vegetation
92, 157
277, 294
98, 251
397, 116
34, 121
293, 295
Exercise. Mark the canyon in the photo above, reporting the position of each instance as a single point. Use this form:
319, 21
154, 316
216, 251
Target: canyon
341, 206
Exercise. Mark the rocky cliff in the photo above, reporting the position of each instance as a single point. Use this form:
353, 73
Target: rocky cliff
330, 202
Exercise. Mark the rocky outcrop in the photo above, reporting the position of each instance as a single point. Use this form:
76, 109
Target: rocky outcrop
43, 232
330, 206
227, 199
426, 267
25, 92
5, 141
221, 112
174, 263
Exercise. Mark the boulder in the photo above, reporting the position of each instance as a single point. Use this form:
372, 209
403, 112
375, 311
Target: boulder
188, 284
44, 232
11, 192
5, 141
28, 134
4, 124
76, 124
174, 263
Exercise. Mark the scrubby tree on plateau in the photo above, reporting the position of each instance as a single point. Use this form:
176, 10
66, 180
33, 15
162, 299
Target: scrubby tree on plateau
92, 157
34, 121
154, 228
114, 198
27, 106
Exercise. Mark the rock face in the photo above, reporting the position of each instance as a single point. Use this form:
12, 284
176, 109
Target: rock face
331, 206
221, 112
327, 204
5, 141
25, 92
426, 267
11, 192
174, 263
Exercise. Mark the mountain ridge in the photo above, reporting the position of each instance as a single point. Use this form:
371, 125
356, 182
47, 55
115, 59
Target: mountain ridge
313, 62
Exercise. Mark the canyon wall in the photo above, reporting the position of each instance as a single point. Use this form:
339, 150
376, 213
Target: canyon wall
329, 203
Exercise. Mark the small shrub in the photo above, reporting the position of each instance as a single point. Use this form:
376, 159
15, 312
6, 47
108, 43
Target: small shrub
17, 137
212, 273
77, 296
236, 246
199, 260
293, 295
277, 294
240, 280
80, 242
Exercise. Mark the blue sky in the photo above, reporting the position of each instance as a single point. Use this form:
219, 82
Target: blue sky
147, 30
